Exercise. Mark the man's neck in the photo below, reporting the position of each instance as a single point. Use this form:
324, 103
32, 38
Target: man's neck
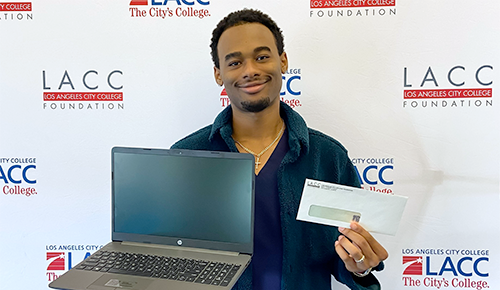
259, 126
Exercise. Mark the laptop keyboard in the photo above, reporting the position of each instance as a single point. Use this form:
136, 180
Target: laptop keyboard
181, 269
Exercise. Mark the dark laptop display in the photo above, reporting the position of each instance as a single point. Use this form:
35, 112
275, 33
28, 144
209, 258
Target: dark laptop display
157, 199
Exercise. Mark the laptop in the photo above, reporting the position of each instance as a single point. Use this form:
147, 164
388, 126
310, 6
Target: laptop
181, 219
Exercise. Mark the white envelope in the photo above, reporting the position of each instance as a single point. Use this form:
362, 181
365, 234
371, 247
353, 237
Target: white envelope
337, 205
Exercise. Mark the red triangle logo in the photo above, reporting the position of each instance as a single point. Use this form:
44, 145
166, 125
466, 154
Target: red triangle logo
223, 93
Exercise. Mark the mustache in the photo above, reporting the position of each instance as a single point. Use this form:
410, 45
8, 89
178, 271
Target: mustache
252, 82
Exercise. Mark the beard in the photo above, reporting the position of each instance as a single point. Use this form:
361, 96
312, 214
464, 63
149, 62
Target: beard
256, 106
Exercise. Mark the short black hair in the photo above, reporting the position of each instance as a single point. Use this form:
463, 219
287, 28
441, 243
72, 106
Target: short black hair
242, 17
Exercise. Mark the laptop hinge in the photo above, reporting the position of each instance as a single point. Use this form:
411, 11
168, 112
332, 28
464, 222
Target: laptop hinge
177, 248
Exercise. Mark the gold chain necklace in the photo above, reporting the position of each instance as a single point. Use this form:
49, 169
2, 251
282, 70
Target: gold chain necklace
257, 156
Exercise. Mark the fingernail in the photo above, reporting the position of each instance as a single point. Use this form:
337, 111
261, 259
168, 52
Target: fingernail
341, 229
354, 226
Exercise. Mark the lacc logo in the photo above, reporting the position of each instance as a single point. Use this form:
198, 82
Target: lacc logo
89, 93
16, 11
184, 8
290, 88
468, 268
452, 76
373, 172
313, 183
56, 260
353, 8
61, 258
379, 173
350, 3
465, 266
66, 80
15, 172
466, 88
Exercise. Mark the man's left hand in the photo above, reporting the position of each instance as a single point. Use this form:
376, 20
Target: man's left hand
358, 249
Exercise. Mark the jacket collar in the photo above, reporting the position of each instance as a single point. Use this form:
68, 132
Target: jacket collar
298, 135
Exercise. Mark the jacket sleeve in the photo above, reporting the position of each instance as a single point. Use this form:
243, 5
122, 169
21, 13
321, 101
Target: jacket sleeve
368, 282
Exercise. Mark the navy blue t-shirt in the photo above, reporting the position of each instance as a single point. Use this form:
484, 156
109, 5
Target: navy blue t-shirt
268, 242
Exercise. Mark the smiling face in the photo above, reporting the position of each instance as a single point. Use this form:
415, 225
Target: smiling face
250, 67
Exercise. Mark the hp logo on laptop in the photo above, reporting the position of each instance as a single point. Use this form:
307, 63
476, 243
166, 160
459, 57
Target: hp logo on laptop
179, 242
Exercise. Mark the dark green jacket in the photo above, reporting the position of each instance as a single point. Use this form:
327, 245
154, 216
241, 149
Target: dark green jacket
309, 255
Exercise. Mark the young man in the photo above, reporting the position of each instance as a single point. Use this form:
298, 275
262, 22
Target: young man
249, 58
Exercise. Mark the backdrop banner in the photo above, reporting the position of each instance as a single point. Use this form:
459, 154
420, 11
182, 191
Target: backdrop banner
408, 87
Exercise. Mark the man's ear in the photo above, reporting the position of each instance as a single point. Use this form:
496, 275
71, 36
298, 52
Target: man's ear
284, 62
217, 76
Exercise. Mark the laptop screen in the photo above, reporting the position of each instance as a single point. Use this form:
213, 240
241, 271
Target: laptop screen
183, 195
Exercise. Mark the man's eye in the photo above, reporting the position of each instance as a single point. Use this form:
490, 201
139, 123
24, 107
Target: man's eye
234, 63
262, 57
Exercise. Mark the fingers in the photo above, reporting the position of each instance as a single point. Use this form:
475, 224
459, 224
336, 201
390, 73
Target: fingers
358, 248
349, 253
355, 252
365, 241
377, 248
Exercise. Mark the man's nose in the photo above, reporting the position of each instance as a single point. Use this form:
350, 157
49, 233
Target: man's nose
250, 70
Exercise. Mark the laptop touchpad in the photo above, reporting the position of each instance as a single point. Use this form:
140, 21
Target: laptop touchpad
110, 281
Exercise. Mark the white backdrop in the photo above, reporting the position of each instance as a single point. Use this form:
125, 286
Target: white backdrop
349, 69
